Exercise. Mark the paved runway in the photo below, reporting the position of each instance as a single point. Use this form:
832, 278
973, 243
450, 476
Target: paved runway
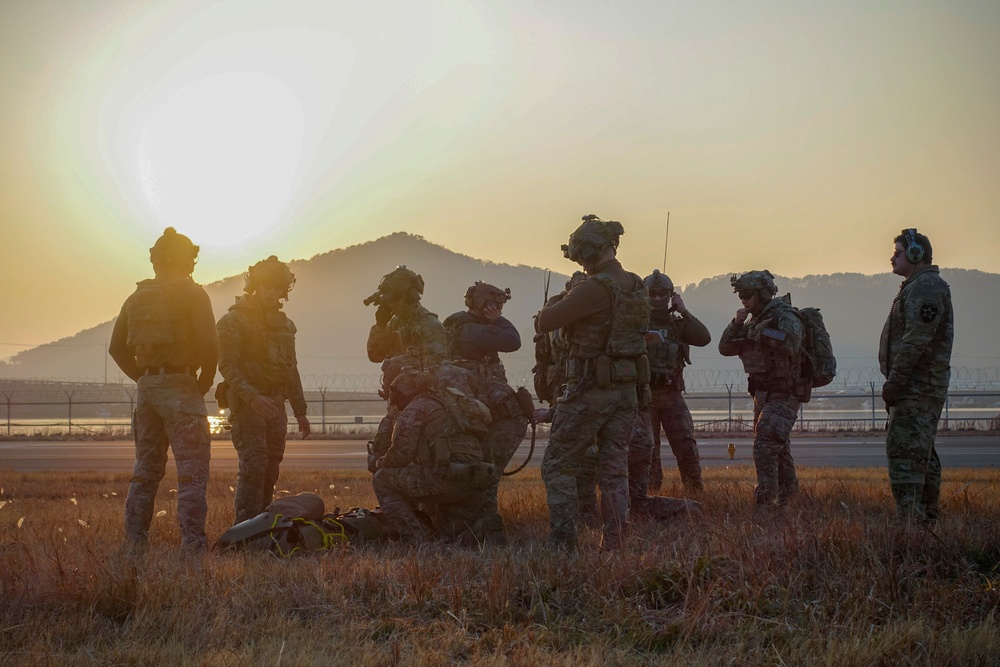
848, 451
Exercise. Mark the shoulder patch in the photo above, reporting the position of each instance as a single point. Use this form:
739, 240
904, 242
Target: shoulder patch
928, 312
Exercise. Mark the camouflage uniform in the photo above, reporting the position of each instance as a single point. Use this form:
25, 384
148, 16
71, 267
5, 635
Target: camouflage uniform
770, 346
164, 334
414, 328
257, 358
402, 325
915, 355
551, 354
603, 319
667, 406
475, 343
435, 459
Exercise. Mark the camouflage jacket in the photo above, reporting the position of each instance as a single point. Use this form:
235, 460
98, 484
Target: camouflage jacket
416, 328
438, 427
257, 353
918, 334
769, 345
668, 358
475, 339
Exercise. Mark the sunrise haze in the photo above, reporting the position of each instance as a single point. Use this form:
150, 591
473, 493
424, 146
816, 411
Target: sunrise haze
800, 137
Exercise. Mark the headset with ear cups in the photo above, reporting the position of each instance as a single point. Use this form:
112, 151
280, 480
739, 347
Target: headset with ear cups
914, 251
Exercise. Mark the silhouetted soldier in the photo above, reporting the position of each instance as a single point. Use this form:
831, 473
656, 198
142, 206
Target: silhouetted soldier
164, 335
258, 365
402, 325
673, 329
915, 357
767, 336
604, 320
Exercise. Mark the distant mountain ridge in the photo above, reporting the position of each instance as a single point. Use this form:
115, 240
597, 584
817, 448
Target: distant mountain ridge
333, 324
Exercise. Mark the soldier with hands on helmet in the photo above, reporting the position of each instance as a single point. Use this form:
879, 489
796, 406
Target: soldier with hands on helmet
401, 323
673, 330
164, 339
476, 336
604, 320
260, 372
435, 459
481, 331
767, 335
915, 358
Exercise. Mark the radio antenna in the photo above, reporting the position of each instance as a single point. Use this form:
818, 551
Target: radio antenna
666, 237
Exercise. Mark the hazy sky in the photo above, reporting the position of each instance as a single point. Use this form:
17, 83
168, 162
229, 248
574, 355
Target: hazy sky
799, 136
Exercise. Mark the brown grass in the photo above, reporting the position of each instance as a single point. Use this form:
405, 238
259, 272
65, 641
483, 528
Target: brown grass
836, 582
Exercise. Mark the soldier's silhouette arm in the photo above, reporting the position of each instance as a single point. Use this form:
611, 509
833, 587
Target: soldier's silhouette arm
120, 350
586, 299
694, 332
207, 339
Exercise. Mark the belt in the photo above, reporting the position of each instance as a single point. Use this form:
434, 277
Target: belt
170, 370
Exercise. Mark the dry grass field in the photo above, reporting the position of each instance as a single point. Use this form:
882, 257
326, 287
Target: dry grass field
836, 582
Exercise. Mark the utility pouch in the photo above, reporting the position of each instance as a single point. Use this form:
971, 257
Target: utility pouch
220, 395
477, 476
602, 372
525, 402
624, 371
642, 369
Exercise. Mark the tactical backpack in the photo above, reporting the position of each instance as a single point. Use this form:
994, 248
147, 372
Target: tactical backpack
819, 365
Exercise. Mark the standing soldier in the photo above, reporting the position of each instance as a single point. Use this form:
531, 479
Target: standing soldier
259, 371
915, 358
604, 319
163, 337
551, 353
402, 325
673, 329
770, 346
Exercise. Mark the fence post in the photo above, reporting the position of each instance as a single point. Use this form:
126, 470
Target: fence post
802, 416
7, 396
322, 395
946, 399
69, 399
729, 390
872, 385
131, 412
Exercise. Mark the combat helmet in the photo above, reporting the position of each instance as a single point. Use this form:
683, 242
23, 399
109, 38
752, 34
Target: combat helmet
575, 279
400, 282
480, 294
392, 367
591, 236
270, 271
409, 384
657, 281
172, 247
762, 281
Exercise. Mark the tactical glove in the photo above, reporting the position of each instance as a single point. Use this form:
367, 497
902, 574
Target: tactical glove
890, 394
383, 314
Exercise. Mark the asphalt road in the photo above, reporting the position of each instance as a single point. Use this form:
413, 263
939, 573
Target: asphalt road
117, 456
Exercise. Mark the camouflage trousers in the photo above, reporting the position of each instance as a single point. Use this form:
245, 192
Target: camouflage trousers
640, 456
170, 412
914, 466
774, 415
260, 446
505, 436
640, 449
669, 410
606, 415
455, 505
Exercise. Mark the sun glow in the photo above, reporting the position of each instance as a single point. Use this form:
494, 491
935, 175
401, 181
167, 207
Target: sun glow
222, 156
